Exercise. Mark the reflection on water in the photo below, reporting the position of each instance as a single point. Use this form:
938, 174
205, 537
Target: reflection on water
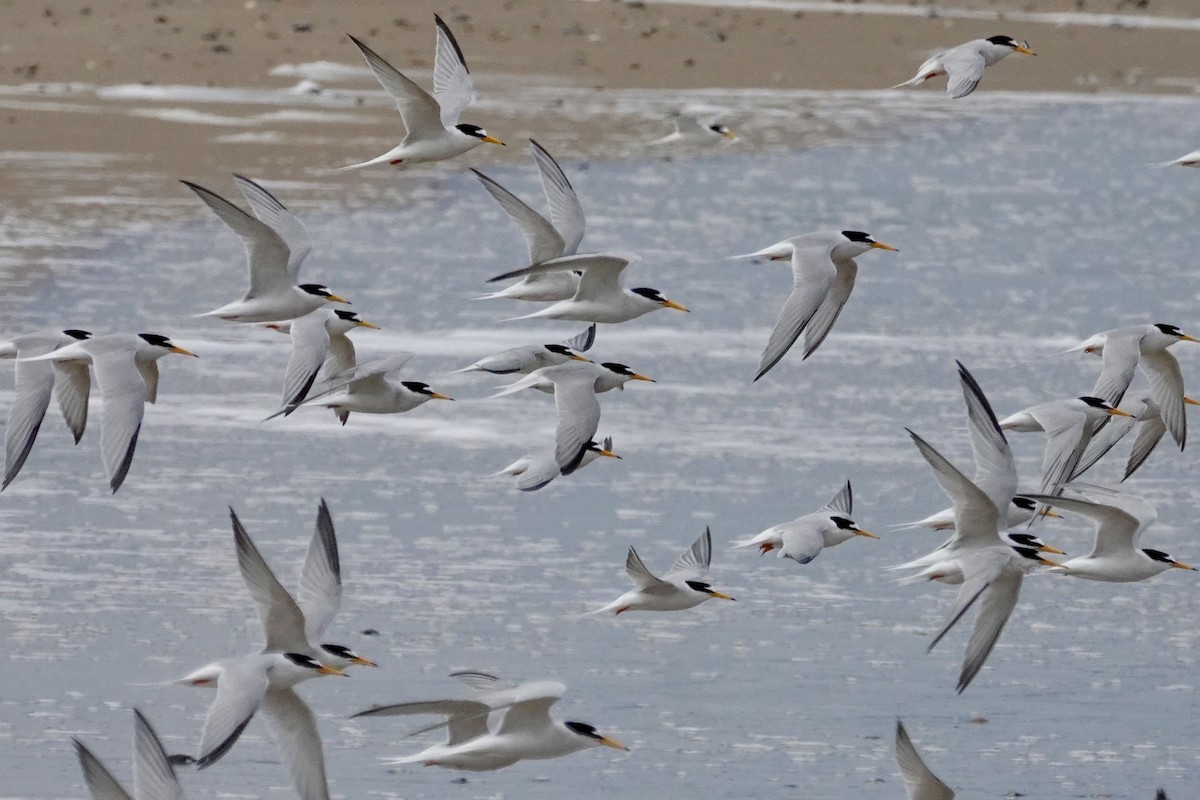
1020, 233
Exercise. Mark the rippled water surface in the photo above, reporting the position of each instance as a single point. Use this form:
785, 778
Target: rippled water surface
1023, 224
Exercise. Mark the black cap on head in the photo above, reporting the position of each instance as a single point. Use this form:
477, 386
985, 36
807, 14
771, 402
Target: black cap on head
583, 729
1026, 539
471, 130
1096, 402
647, 292
75, 333
561, 349
721, 129
338, 650
1029, 552
1159, 555
1024, 502
417, 386
700, 586
858, 236
316, 288
349, 316
156, 340
301, 660
1003, 40
844, 524
1169, 330
620, 369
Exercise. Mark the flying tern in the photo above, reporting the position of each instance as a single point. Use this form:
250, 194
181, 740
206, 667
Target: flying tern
153, 775
684, 585
527, 358
963, 65
366, 389
539, 468
805, 537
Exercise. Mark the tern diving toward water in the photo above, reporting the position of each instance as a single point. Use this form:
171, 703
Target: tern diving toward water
525, 731
274, 268
684, 585
600, 296
1145, 346
805, 537
823, 274
527, 358
432, 129
34, 384
1119, 521
153, 776
964, 65
919, 780
547, 239
992, 569
126, 369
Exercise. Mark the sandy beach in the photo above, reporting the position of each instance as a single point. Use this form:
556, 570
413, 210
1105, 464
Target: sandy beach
62, 60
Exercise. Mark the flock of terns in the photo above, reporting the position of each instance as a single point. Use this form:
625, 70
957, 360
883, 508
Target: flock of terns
990, 550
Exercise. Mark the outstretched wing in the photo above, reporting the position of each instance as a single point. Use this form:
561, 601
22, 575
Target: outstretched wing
694, 560
565, 208
452, 84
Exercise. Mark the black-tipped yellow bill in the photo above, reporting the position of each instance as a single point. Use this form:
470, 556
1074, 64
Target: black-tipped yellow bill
1025, 50
1191, 402
722, 596
324, 670
637, 376
868, 534
337, 298
608, 454
1181, 565
577, 357
362, 323
493, 140
674, 305
882, 246
1048, 549
613, 743
436, 396
364, 662
1116, 412
182, 352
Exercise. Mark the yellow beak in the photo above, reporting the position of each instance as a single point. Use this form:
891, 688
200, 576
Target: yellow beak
362, 662
640, 377
493, 140
1048, 549
183, 352
868, 534
1181, 565
1190, 401
674, 305
331, 671
333, 298
1047, 562
608, 454
436, 396
882, 246
362, 323
578, 357
1025, 50
1116, 412
613, 743
729, 135
723, 596
1186, 338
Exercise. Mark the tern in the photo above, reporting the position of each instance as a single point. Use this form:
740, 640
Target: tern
608, 375
963, 65
919, 780
366, 389
126, 369
1144, 416
805, 537
34, 385
1124, 350
153, 776
692, 130
527, 358
684, 585
600, 296
273, 294
538, 469
1020, 511
432, 129
1119, 520
823, 274
547, 239
319, 343
992, 569
1192, 159
526, 729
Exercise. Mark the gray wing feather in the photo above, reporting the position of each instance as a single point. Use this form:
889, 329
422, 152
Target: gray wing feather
842, 502
583, 342
72, 386
266, 252
578, 418
153, 776
240, 692
101, 784
452, 84
1122, 350
289, 227
295, 730
919, 780
320, 592
1150, 433
282, 620
122, 388
1166, 387
421, 114
35, 381
827, 313
310, 344
696, 559
565, 208
543, 240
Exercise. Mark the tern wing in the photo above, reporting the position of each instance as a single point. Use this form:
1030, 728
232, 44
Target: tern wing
532, 711
919, 780
996, 604
975, 515
320, 592
483, 681
289, 227
72, 385
1122, 350
123, 390
295, 730
1150, 432
565, 209
583, 342
1117, 523
467, 719
35, 382
282, 620
1166, 387
452, 84
1067, 439
1116, 429
543, 240
813, 275
240, 691
267, 254
995, 468
421, 114
694, 560
827, 313
101, 784
643, 578
578, 418
842, 502
310, 344
601, 271
541, 470
153, 776
964, 70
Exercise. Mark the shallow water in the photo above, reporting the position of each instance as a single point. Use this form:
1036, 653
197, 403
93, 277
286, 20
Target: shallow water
1022, 229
